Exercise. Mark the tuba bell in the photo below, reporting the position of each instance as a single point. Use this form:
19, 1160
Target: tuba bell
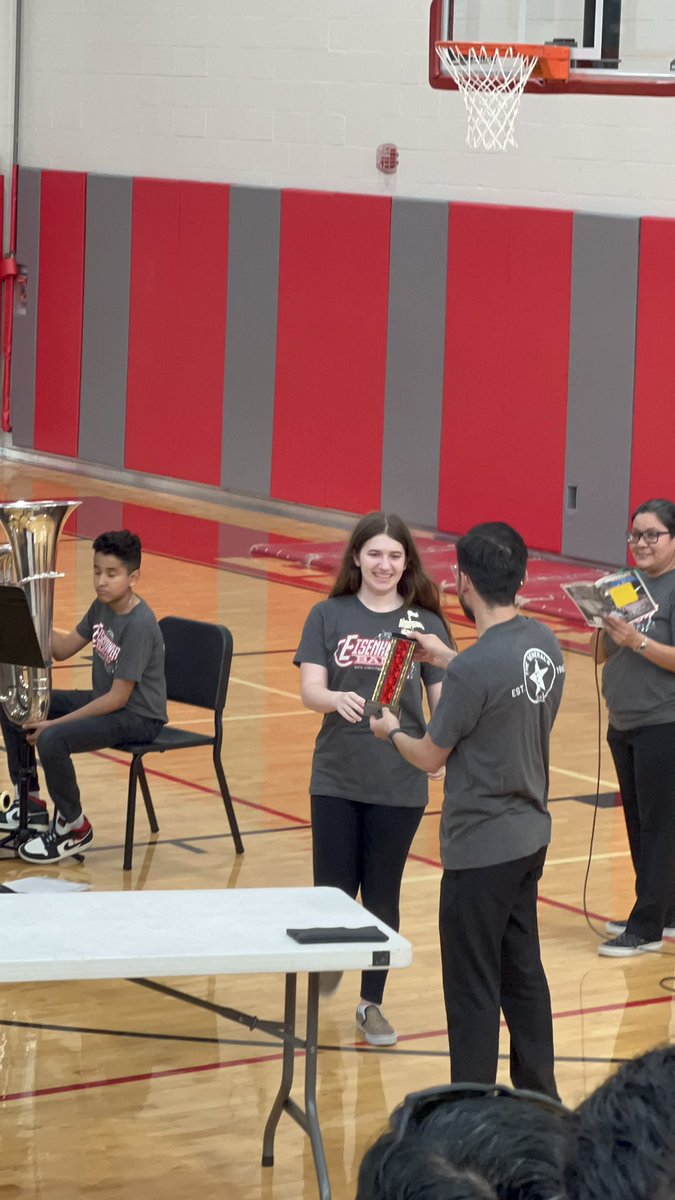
29, 560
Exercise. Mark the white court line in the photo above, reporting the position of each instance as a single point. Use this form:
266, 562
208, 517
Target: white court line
586, 778
300, 712
550, 862
263, 687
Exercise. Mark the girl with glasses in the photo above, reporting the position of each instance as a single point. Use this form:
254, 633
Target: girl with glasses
639, 687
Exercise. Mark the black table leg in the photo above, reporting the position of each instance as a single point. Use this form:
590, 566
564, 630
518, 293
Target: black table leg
311, 1112
284, 1092
307, 1118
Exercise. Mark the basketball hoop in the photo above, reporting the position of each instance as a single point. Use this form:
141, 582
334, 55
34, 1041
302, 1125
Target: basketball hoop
492, 79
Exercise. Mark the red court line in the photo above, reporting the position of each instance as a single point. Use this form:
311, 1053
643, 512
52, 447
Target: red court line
200, 787
432, 862
62, 1089
429, 862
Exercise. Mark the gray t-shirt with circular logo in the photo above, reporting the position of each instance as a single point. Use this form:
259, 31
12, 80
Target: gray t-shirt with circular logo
498, 704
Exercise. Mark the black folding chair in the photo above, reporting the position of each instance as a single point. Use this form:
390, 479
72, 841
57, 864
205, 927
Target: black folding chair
197, 663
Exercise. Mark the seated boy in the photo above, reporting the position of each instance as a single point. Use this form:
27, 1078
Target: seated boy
127, 701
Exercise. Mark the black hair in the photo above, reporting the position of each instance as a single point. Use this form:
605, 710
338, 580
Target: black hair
509, 1147
624, 1144
494, 557
123, 545
663, 509
406, 1171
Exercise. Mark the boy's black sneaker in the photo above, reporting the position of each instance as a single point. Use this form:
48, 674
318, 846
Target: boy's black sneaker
626, 945
38, 817
52, 847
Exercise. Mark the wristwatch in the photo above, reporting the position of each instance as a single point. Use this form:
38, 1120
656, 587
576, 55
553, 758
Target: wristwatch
643, 645
392, 734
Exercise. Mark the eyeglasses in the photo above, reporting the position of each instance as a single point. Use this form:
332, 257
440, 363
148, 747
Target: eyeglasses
417, 1106
649, 536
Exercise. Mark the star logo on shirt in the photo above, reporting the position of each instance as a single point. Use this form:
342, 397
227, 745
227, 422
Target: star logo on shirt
538, 674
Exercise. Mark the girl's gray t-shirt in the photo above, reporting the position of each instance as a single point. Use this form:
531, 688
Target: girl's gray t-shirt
351, 641
636, 690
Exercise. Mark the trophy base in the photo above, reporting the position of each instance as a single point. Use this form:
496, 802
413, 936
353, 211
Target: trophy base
374, 708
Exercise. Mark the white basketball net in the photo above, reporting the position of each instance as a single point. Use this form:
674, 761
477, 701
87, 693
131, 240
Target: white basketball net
491, 85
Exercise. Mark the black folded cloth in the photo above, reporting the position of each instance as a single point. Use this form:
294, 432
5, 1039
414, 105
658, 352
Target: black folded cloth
365, 933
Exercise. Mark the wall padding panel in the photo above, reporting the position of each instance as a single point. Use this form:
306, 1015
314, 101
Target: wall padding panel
506, 365
177, 329
61, 298
331, 350
415, 358
602, 372
25, 325
253, 286
653, 472
105, 334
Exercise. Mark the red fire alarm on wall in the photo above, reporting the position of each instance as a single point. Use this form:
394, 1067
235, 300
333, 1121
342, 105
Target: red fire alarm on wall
386, 158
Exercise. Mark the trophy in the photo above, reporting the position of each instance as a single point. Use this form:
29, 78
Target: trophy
392, 677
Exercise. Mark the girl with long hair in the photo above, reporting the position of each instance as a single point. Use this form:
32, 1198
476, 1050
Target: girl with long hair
367, 802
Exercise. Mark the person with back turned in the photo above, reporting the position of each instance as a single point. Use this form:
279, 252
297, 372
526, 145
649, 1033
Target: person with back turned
126, 703
491, 729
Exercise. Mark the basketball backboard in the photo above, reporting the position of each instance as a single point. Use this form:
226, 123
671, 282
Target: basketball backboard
616, 46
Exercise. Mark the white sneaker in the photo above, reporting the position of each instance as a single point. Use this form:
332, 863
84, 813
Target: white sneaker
620, 927
374, 1027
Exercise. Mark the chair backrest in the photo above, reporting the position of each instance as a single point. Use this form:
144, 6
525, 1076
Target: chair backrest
198, 657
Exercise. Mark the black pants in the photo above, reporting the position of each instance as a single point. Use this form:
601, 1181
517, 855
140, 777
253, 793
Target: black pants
364, 846
57, 743
645, 764
492, 961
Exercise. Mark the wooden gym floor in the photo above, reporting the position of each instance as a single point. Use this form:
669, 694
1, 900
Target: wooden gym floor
113, 1091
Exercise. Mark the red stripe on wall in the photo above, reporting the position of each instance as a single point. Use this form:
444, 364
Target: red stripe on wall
178, 315
331, 350
652, 466
506, 370
60, 306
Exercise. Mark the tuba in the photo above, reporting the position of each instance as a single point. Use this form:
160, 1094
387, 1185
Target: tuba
33, 529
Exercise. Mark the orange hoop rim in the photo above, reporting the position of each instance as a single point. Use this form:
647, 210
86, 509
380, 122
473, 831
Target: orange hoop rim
553, 62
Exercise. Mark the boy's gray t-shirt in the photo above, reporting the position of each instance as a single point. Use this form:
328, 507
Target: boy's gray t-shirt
498, 703
636, 690
127, 646
350, 641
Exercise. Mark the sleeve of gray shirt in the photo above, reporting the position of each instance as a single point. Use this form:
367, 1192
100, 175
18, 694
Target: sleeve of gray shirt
312, 648
459, 707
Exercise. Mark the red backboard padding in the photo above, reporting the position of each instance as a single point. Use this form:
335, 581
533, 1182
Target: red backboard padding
60, 304
177, 321
506, 370
653, 473
331, 350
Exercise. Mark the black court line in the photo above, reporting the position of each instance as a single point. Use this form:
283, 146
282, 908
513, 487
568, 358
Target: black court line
325, 1047
182, 842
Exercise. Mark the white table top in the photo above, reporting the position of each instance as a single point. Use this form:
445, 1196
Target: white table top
117, 935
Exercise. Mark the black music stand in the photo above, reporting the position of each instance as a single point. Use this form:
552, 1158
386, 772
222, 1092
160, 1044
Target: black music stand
19, 647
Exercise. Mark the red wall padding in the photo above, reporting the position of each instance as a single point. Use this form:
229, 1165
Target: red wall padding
506, 370
653, 472
178, 313
60, 304
331, 350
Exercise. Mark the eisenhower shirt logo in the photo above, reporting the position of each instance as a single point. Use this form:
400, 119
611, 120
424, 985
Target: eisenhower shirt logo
539, 673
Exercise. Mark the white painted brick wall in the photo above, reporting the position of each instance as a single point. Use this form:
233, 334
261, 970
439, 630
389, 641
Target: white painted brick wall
299, 93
